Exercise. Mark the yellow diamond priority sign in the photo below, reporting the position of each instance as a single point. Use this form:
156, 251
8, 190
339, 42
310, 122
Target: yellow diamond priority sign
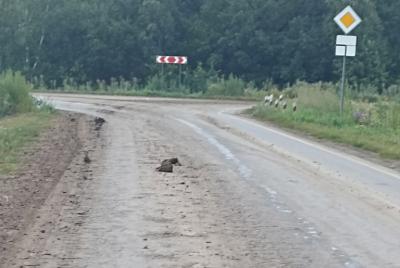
347, 19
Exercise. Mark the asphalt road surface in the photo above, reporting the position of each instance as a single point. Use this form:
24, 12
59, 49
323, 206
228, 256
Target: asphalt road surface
247, 194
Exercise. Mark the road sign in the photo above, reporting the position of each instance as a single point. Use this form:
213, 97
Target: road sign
179, 60
172, 60
346, 45
348, 19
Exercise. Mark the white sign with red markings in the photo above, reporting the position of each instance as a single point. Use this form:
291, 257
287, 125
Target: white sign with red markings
172, 60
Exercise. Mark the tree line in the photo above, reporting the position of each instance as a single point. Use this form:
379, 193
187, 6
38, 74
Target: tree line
258, 40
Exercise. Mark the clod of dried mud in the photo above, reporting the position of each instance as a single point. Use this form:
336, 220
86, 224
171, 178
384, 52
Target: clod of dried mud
167, 166
99, 122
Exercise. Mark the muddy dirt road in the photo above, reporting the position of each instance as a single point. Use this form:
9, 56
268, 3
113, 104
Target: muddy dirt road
246, 195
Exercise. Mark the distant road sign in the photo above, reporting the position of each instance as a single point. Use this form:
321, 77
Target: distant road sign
172, 60
347, 20
346, 45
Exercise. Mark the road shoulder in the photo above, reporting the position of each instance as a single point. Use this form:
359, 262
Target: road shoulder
23, 193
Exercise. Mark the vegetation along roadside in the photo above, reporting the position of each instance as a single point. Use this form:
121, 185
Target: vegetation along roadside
369, 122
22, 119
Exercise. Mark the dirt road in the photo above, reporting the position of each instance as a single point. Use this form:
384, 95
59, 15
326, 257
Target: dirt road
246, 195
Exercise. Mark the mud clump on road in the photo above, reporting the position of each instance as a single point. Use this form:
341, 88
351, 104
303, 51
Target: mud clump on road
87, 159
173, 161
167, 166
99, 122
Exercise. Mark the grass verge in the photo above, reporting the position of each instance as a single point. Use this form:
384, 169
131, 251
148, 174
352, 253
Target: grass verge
17, 132
372, 126
384, 141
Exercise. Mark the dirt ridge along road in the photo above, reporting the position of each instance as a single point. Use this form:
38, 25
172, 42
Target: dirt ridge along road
44, 164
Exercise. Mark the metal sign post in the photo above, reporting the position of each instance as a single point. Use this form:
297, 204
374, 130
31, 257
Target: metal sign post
346, 45
180, 76
162, 77
342, 86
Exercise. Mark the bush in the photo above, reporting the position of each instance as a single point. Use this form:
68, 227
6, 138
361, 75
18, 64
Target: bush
392, 91
198, 79
155, 83
14, 94
233, 86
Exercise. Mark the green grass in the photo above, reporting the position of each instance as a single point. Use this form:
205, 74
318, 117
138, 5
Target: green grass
14, 94
385, 142
318, 116
17, 132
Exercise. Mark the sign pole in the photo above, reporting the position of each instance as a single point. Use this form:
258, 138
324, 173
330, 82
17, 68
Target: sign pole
162, 77
180, 76
346, 45
342, 86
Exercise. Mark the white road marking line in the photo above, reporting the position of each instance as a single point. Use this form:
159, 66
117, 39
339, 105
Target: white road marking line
244, 171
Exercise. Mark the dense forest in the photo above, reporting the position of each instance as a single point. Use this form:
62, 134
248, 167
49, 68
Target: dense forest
281, 41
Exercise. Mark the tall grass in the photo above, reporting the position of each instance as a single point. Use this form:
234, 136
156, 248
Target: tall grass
316, 103
158, 86
371, 126
14, 94
198, 83
232, 86
21, 118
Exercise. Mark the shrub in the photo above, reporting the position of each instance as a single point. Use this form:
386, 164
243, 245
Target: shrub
14, 94
198, 79
157, 83
232, 86
392, 91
